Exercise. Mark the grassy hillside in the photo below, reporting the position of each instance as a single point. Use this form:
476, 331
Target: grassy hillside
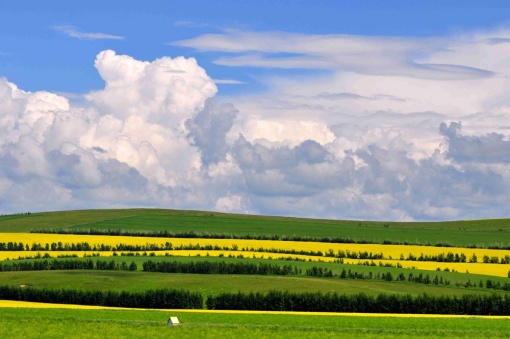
212, 284
59, 323
16, 322
460, 233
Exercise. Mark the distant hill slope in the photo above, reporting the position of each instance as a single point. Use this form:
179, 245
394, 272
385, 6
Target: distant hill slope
490, 231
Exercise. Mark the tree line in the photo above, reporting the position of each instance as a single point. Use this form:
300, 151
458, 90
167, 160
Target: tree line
55, 264
471, 304
412, 278
219, 267
161, 298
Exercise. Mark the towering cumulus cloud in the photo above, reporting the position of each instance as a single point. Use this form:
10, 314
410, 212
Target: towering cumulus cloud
156, 136
128, 143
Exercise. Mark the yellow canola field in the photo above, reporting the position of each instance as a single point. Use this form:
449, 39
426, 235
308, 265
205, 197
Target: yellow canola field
389, 251
13, 255
497, 270
26, 304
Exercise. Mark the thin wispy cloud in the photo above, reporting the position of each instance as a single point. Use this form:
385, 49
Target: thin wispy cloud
73, 32
379, 55
228, 82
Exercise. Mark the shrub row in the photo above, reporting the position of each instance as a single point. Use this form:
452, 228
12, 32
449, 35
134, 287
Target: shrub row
81, 246
383, 303
413, 278
163, 298
208, 267
44, 265
451, 257
271, 301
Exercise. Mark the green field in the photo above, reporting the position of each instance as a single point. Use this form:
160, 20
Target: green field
56, 323
69, 323
459, 233
214, 284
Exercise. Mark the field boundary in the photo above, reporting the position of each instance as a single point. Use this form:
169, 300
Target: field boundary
28, 304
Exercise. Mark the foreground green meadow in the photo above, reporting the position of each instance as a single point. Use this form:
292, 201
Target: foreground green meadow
25, 322
75, 323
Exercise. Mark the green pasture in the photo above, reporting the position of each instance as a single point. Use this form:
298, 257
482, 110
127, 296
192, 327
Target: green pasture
213, 284
58, 323
460, 233
70, 323
336, 268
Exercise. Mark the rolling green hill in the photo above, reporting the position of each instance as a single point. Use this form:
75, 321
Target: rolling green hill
55, 322
459, 233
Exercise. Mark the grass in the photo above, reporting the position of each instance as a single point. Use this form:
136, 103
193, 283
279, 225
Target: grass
75, 323
453, 277
460, 233
212, 284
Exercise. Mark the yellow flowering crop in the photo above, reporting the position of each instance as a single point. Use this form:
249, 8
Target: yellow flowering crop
245, 254
13, 255
388, 251
248, 248
497, 270
346, 314
26, 304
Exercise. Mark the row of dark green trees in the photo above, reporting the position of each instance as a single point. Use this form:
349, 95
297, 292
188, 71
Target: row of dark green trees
68, 264
271, 301
218, 267
472, 304
162, 298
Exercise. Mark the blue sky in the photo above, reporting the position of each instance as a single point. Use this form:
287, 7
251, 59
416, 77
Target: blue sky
33, 49
392, 110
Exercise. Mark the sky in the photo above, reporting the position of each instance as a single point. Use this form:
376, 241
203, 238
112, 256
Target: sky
370, 110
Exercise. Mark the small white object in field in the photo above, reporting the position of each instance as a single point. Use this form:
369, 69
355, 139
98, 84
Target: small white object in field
173, 321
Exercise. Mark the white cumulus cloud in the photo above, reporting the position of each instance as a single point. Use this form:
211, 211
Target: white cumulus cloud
408, 129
